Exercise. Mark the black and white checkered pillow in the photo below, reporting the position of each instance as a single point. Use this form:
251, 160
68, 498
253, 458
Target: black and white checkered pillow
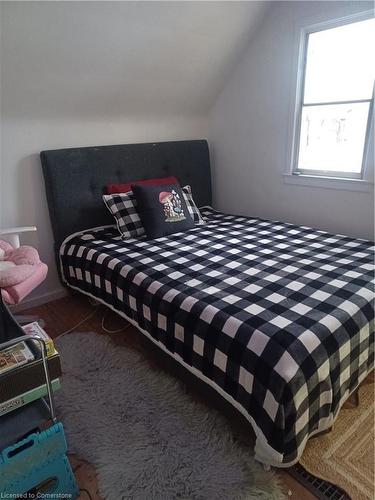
192, 207
123, 207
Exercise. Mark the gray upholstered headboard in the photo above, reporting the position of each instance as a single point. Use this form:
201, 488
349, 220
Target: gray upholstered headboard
75, 179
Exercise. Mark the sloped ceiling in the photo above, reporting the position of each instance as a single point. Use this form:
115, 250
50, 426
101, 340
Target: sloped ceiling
120, 58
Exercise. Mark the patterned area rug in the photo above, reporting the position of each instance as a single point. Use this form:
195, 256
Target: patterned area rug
145, 435
345, 456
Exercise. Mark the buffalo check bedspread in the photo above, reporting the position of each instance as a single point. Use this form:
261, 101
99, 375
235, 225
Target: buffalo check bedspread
278, 318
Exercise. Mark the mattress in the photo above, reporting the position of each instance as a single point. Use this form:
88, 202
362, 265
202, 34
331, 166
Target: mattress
278, 318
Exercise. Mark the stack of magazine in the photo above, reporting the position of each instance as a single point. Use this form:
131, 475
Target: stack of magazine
15, 356
22, 378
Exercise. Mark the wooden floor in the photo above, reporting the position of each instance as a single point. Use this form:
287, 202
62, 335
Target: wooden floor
60, 316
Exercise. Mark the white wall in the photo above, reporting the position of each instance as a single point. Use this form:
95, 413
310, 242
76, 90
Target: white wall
118, 59
249, 136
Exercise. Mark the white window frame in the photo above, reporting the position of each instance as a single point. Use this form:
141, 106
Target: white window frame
316, 177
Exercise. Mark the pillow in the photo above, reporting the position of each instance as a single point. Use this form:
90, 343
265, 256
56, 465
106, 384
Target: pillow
125, 188
123, 207
192, 207
162, 209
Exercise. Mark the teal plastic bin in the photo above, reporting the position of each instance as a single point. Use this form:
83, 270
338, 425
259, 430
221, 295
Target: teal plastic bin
38, 465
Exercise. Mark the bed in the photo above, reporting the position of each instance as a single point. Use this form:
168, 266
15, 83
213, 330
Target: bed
277, 318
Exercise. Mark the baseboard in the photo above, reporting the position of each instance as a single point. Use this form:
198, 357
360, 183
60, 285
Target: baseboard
40, 299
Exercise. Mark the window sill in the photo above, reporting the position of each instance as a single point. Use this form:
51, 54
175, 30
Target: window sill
329, 182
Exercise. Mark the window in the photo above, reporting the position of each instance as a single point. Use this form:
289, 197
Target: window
336, 100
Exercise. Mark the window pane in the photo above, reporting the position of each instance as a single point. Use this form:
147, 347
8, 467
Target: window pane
340, 63
332, 137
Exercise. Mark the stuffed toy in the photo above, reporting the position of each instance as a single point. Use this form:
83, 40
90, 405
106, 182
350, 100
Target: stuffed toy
16, 264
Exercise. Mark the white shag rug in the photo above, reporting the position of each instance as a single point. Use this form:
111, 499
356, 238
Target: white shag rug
147, 438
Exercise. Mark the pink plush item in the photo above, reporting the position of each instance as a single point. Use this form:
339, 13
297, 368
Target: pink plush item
16, 264
23, 255
5, 246
15, 294
14, 275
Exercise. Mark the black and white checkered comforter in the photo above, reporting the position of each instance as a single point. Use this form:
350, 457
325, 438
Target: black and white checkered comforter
278, 318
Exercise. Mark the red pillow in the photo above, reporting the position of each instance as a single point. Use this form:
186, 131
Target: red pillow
125, 188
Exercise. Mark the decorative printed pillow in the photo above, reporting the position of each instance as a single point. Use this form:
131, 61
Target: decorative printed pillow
192, 207
123, 207
162, 209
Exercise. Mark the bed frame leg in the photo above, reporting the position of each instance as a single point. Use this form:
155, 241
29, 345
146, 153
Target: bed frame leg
266, 467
